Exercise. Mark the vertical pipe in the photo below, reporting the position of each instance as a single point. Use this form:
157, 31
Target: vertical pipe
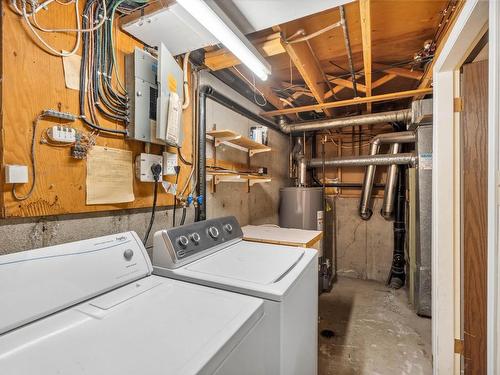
201, 188
397, 275
390, 186
365, 210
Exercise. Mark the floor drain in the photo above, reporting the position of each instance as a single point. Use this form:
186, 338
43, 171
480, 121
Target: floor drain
327, 333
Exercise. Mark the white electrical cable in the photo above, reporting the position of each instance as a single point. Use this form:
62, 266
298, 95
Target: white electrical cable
186, 86
255, 89
34, 25
47, 46
94, 28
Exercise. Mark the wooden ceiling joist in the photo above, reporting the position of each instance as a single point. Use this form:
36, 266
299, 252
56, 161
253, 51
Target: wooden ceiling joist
383, 80
304, 61
220, 59
400, 72
366, 37
349, 102
347, 83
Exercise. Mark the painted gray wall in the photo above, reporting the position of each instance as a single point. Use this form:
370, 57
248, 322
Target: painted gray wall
364, 248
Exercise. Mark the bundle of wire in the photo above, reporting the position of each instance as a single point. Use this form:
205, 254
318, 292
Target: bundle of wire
98, 66
98, 70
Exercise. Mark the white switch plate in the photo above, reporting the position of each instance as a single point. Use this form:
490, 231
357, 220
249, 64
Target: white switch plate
16, 174
143, 163
169, 161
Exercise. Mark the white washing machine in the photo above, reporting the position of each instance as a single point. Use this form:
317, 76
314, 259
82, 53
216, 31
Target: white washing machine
93, 307
213, 253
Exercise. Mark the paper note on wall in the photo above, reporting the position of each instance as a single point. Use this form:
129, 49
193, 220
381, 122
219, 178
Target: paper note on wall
71, 65
110, 176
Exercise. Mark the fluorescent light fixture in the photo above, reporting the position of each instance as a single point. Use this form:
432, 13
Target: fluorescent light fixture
228, 34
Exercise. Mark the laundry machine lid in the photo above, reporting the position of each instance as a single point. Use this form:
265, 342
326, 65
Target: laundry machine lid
152, 326
250, 262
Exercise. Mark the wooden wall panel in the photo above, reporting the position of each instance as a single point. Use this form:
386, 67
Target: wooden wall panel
475, 200
33, 80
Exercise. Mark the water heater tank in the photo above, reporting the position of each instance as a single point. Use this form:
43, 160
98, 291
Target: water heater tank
301, 207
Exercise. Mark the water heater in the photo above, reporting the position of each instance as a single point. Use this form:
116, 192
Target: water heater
301, 207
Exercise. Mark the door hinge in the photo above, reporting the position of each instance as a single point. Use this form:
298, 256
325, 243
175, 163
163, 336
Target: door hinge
459, 346
458, 105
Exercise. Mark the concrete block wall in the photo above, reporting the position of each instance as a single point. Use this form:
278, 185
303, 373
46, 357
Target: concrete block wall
364, 248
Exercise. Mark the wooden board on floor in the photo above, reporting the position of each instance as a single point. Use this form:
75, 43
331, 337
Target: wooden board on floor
32, 81
475, 200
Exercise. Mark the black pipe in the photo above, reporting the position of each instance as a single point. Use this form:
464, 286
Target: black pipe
201, 185
236, 107
347, 185
397, 274
208, 92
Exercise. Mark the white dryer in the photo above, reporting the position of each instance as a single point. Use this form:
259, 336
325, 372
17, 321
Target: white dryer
213, 253
92, 307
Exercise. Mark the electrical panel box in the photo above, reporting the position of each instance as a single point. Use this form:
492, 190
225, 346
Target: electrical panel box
143, 164
155, 87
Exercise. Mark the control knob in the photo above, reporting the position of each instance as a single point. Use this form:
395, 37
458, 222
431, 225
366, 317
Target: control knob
213, 232
195, 237
183, 241
228, 227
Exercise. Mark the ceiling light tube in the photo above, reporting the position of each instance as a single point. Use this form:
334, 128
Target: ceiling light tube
220, 26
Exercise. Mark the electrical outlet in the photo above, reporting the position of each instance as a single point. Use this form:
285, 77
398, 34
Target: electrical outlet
170, 161
143, 163
16, 174
62, 134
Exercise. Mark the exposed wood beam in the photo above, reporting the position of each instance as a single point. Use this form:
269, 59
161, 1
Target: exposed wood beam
304, 61
349, 102
341, 85
222, 58
347, 83
366, 37
381, 81
401, 72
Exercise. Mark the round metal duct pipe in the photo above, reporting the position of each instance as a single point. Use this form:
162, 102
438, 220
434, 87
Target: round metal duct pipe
403, 115
363, 161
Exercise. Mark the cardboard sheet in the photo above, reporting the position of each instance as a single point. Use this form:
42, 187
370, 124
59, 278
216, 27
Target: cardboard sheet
110, 176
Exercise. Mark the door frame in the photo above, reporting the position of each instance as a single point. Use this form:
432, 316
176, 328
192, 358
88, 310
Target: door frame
474, 18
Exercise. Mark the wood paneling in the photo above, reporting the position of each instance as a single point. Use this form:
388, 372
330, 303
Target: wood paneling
475, 178
33, 81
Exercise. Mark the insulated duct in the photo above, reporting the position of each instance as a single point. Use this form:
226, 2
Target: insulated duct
365, 160
400, 137
390, 185
403, 115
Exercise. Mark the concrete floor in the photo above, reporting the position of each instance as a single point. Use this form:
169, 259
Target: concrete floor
375, 331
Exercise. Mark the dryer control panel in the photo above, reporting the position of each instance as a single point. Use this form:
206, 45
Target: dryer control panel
182, 245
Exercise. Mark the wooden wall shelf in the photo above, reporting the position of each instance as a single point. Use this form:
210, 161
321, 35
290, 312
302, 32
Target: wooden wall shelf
233, 138
228, 176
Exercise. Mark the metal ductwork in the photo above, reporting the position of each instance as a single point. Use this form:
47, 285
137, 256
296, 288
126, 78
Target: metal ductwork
365, 160
403, 115
390, 185
365, 210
